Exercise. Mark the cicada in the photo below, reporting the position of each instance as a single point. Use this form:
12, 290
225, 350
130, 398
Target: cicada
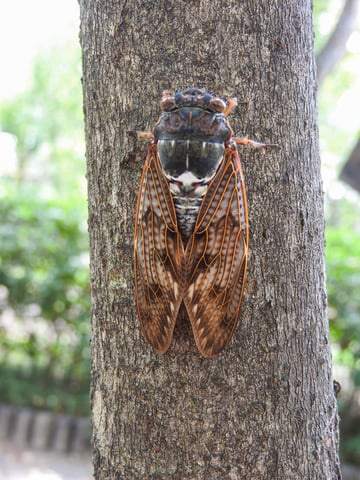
191, 228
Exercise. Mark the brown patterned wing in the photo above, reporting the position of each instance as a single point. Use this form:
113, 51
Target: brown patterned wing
216, 258
158, 256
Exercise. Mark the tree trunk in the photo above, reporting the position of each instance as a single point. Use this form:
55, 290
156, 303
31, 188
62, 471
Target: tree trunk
265, 407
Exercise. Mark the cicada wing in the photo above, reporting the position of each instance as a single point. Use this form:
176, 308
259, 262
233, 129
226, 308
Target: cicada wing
158, 256
216, 258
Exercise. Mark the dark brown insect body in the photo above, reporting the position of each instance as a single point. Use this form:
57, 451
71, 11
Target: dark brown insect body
191, 232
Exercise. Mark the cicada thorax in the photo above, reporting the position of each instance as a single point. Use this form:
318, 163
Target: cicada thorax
191, 224
191, 136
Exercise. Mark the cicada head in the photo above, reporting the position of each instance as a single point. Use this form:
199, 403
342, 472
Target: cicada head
194, 115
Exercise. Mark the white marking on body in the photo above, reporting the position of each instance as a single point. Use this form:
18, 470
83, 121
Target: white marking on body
176, 289
191, 291
175, 190
187, 178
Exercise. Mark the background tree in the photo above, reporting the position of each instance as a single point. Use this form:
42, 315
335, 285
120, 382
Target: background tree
335, 46
265, 408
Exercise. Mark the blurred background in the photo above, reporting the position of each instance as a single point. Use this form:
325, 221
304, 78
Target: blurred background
44, 272
44, 284
44, 291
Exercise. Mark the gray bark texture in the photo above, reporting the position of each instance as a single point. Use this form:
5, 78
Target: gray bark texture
265, 407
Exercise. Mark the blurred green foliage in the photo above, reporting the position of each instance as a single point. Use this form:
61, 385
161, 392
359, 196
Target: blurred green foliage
343, 284
320, 8
47, 121
44, 284
338, 134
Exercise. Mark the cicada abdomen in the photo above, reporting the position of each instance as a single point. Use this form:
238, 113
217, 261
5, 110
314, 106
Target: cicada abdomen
191, 230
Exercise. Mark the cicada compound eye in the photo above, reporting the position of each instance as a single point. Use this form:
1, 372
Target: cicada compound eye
217, 104
167, 100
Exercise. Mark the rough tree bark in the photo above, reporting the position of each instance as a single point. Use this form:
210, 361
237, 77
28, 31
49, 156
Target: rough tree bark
265, 408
